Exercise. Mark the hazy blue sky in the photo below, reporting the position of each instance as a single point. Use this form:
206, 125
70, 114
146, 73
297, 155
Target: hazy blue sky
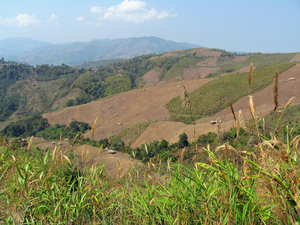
264, 25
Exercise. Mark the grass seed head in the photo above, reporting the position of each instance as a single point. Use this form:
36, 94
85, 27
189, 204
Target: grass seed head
289, 102
239, 120
250, 76
66, 158
121, 169
232, 110
133, 154
276, 90
100, 149
94, 126
53, 153
75, 138
30, 141
252, 107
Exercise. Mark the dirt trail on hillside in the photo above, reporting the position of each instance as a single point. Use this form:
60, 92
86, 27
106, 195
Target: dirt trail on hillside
129, 108
264, 104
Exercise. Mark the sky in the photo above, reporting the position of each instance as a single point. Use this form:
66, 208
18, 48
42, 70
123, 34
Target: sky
267, 26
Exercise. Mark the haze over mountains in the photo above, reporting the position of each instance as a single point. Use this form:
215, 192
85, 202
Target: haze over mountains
37, 53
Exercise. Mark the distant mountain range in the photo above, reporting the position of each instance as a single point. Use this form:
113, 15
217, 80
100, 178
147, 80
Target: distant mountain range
37, 53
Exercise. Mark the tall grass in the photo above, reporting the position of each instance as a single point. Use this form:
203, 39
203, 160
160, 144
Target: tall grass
234, 187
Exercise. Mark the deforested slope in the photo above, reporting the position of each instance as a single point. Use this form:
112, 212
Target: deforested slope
264, 103
126, 109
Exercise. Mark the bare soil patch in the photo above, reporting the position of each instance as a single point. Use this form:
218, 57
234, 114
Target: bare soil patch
195, 73
208, 62
36, 140
167, 54
132, 107
296, 58
206, 52
162, 82
151, 78
171, 130
204, 71
190, 74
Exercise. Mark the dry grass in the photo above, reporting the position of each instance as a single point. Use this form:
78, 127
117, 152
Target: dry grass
232, 110
250, 77
186, 103
276, 90
94, 126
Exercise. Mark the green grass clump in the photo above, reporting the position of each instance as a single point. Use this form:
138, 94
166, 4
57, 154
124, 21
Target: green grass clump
259, 60
264, 60
291, 117
130, 134
215, 95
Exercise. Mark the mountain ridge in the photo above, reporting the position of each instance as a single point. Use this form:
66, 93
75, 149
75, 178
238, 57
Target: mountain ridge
96, 49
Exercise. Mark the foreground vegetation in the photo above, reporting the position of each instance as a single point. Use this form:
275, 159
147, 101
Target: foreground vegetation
233, 183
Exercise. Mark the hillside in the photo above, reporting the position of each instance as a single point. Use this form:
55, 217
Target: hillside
264, 103
26, 89
98, 63
218, 93
138, 106
129, 108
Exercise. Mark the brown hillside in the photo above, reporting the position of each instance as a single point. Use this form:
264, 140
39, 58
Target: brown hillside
139, 106
171, 130
168, 54
190, 74
296, 58
208, 62
132, 107
206, 52
264, 104
195, 73
151, 78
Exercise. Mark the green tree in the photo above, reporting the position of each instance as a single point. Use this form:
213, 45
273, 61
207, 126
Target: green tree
183, 140
163, 144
